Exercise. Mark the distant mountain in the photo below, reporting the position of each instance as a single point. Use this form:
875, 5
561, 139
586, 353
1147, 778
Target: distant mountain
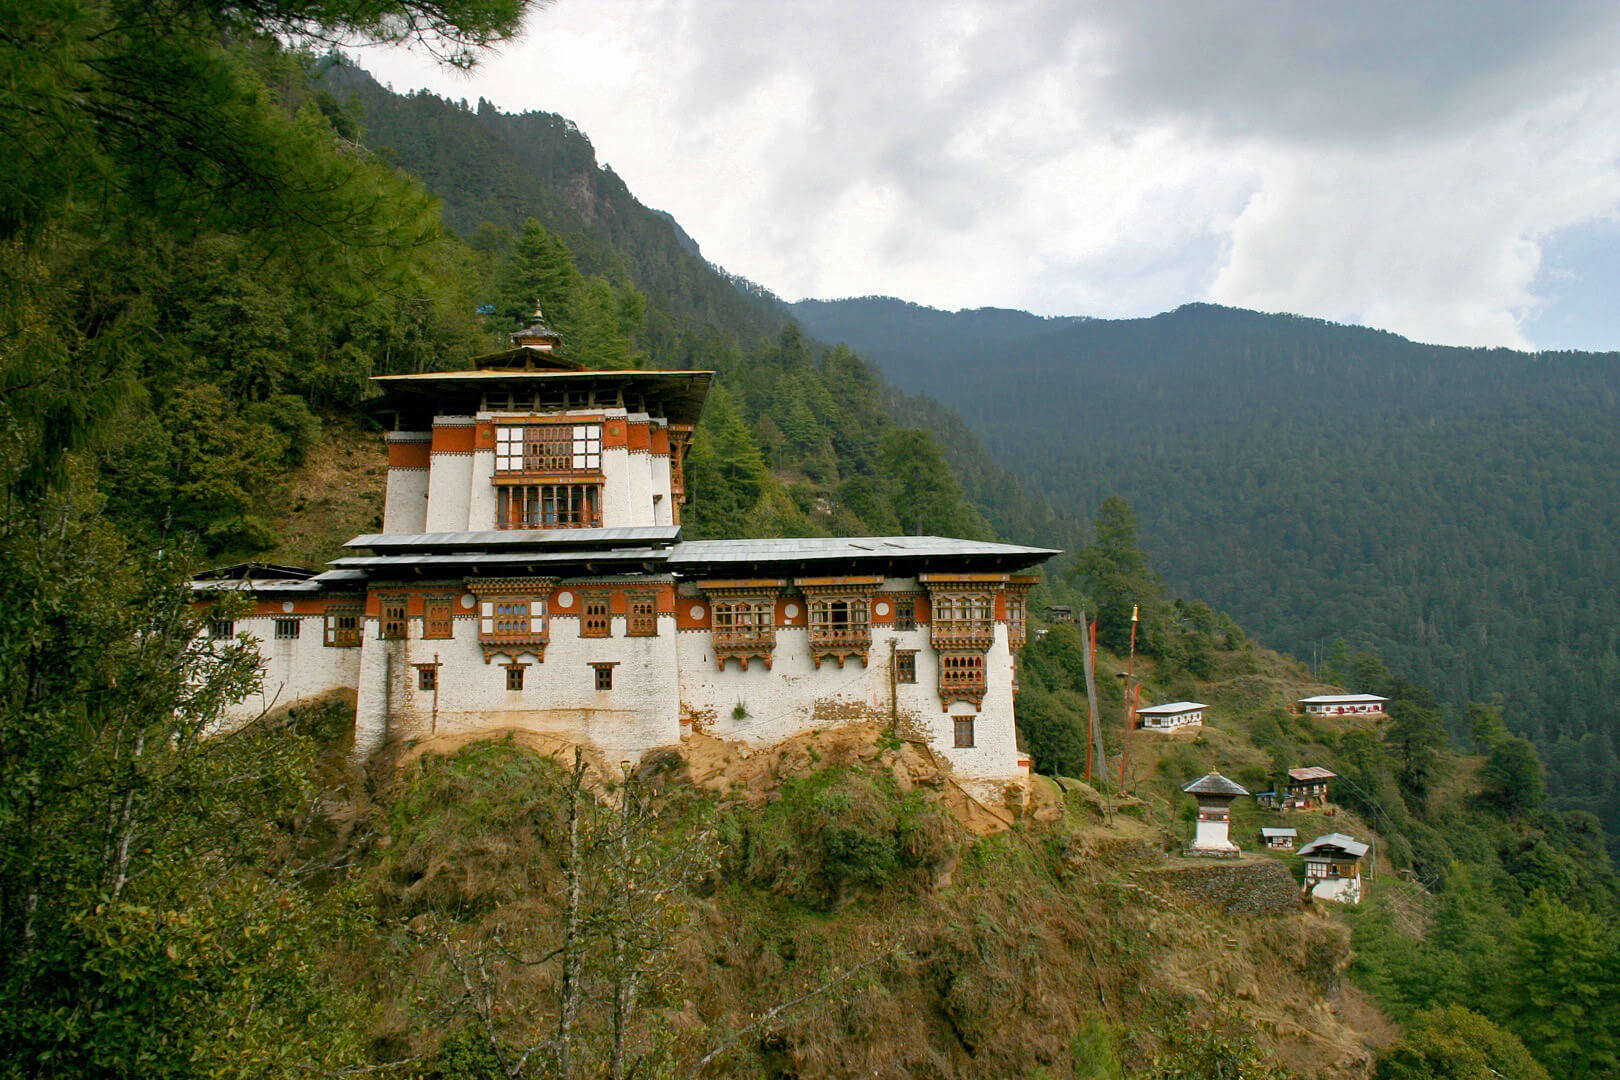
1454, 509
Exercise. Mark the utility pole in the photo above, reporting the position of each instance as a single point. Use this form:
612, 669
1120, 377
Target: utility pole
1094, 740
1130, 700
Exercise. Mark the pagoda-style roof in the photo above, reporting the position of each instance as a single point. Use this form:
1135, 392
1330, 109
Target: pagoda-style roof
1215, 784
525, 358
1335, 844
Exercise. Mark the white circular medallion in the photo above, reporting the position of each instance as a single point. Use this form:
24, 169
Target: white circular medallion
287, 606
697, 611
791, 611
565, 599
467, 601
880, 608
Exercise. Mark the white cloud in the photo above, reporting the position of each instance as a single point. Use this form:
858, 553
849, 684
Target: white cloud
1396, 165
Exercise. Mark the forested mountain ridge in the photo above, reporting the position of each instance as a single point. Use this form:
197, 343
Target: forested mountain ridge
1452, 509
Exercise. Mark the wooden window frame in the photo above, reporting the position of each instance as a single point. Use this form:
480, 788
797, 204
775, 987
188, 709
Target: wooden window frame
560, 505
963, 724
514, 675
343, 637
392, 627
221, 629
905, 666
641, 623
603, 674
288, 627
436, 629
905, 612
551, 447
427, 677
595, 623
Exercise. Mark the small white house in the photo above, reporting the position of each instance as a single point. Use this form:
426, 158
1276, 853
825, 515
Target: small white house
1333, 868
1343, 705
1177, 714
1279, 839
1214, 793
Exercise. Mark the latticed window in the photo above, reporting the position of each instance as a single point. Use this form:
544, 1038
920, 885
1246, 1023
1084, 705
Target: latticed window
603, 676
961, 671
964, 731
963, 616
643, 617
219, 629
905, 667
511, 618
905, 614
286, 629
343, 627
392, 625
427, 677
595, 620
548, 448
744, 619
838, 620
514, 676
437, 618
548, 506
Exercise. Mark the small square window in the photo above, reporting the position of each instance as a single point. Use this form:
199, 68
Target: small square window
343, 628
905, 667
905, 616
287, 629
514, 677
219, 629
427, 677
604, 676
595, 620
964, 731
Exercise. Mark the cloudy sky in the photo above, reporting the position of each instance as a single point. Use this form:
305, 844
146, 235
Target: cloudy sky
1447, 171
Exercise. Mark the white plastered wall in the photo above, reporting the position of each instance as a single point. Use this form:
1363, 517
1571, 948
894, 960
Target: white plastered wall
558, 695
293, 669
1214, 835
793, 696
450, 484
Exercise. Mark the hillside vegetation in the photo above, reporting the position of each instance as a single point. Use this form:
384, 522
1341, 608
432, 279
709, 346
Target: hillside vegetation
1452, 510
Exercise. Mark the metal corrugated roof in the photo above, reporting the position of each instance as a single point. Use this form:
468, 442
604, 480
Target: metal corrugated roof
504, 558
1215, 784
256, 585
1349, 845
511, 538
1173, 707
1311, 772
843, 547
1340, 699
1270, 831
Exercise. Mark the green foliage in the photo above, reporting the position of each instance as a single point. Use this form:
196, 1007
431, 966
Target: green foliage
1558, 988
1511, 778
1114, 573
1222, 1051
835, 834
1448, 510
1452, 1043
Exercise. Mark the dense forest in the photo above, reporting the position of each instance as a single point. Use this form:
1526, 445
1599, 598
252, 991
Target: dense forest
1453, 510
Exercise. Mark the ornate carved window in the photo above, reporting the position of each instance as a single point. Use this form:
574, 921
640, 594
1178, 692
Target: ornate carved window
437, 617
539, 448
961, 678
343, 627
1018, 612
905, 666
905, 612
595, 620
548, 506
840, 619
427, 676
512, 617
743, 620
603, 677
642, 620
963, 618
514, 676
392, 625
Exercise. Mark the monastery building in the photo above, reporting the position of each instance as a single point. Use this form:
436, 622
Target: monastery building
530, 574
